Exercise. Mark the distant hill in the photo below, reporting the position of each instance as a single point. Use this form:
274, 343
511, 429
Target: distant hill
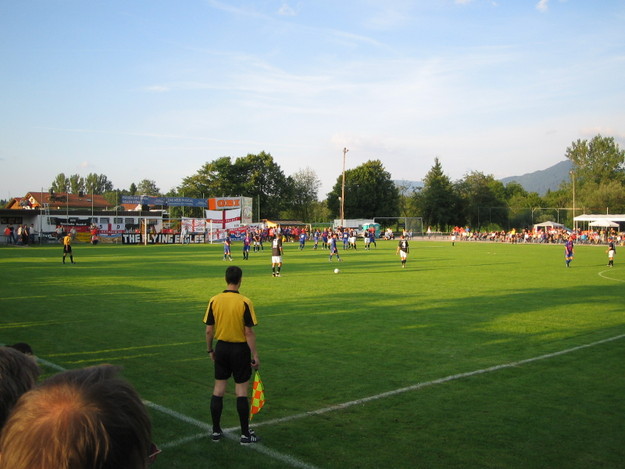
544, 180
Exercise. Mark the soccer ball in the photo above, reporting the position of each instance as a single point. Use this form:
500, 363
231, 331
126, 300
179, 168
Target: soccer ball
336, 271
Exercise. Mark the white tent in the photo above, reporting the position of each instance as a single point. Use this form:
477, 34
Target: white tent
550, 224
595, 217
603, 224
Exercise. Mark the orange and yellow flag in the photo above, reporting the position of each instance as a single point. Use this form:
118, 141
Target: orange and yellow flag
258, 396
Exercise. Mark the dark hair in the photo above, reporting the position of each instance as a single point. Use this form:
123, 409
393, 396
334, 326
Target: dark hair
18, 374
84, 418
23, 347
233, 275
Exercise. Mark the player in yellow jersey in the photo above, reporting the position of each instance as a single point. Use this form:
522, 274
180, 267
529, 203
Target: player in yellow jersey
230, 318
67, 248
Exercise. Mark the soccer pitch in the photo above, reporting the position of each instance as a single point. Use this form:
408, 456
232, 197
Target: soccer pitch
475, 355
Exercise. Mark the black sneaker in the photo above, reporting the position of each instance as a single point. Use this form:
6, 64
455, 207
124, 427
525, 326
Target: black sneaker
247, 440
216, 436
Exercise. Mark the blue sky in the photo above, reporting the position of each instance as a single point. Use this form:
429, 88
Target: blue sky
153, 89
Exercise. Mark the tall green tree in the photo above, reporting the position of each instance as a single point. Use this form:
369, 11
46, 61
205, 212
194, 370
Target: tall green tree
76, 184
483, 200
148, 187
263, 179
599, 160
369, 192
305, 190
214, 179
522, 205
438, 202
60, 183
256, 176
97, 184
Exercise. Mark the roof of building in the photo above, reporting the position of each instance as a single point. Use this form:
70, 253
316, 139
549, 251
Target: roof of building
59, 201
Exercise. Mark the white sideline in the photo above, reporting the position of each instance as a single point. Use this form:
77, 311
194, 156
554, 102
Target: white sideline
293, 462
414, 387
228, 433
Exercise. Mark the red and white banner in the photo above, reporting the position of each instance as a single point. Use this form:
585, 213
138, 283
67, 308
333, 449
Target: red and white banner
224, 219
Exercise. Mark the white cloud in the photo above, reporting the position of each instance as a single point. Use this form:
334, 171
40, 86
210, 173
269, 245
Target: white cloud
542, 5
286, 10
157, 89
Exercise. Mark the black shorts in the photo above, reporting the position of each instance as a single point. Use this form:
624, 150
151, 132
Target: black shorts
233, 359
67, 249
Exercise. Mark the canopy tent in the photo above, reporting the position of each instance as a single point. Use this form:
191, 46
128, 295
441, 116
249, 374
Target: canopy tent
596, 217
603, 224
550, 224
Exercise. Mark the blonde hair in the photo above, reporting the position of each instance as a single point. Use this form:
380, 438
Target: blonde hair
79, 419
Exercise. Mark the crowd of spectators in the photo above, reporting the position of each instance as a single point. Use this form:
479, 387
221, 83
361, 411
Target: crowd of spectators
548, 235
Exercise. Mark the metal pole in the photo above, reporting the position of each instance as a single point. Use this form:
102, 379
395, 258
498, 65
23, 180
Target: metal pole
345, 150
573, 180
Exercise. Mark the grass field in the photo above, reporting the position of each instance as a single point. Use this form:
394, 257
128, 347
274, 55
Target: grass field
474, 356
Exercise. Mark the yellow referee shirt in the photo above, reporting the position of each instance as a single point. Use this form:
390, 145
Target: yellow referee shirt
230, 312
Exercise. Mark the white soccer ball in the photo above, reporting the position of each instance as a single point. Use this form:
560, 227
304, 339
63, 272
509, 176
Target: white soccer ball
336, 271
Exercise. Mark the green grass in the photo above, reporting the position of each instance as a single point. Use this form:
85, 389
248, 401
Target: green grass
327, 339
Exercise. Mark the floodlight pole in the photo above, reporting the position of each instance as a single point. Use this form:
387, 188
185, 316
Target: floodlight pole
572, 173
345, 150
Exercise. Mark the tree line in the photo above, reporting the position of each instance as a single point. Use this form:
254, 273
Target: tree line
597, 178
477, 200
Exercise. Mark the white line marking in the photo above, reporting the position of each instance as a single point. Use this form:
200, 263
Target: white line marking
228, 433
609, 278
414, 387
297, 463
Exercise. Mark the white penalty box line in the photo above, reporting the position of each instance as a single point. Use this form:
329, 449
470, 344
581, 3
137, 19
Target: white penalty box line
293, 462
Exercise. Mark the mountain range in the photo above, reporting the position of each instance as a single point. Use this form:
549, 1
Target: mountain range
544, 180
540, 181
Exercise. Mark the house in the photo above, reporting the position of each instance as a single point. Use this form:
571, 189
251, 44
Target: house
47, 212
59, 201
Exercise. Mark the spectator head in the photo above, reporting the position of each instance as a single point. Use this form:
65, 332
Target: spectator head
18, 374
23, 347
84, 418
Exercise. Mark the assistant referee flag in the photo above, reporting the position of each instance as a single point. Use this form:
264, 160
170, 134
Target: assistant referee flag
258, 396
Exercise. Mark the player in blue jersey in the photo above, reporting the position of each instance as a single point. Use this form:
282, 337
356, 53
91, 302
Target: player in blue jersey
568, 252
333, 248
247, 241
227, 245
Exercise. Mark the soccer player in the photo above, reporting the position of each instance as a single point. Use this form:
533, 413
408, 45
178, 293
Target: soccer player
402, 250
611, 251
230, 318
276, 255
568, 252
246, 246
302, 240
227, 246
333, 248
316, 237
67, 248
